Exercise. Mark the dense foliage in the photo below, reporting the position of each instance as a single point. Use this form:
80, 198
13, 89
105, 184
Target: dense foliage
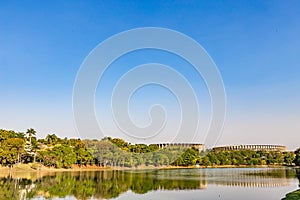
52, 151
247, 157
117, 152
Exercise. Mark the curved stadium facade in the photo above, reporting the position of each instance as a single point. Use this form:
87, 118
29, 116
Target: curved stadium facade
251, 147
184, 145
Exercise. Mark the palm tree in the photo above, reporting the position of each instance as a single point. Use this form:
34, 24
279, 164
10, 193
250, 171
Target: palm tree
31, 133
52, 139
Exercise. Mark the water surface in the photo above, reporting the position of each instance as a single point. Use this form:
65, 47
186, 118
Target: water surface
231, 184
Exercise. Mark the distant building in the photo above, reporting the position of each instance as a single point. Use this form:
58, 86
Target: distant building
197, 146
251, 147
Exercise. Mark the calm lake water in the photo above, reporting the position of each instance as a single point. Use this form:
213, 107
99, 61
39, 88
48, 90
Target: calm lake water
207, 184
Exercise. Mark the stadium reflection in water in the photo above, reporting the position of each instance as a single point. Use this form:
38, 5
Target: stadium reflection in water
109, 184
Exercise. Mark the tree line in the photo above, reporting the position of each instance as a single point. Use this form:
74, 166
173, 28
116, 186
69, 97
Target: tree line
52, 151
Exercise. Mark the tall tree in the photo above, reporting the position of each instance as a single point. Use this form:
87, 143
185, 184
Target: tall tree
30, 147
52, 139
297, 158
30, 133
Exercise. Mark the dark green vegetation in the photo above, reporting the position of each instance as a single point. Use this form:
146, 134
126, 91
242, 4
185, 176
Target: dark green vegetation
293, 195
18, 147
248, 157
297, 157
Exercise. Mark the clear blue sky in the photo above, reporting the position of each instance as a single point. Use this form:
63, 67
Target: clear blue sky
255, 45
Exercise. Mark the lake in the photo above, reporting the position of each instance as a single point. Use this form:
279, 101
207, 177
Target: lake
207, 184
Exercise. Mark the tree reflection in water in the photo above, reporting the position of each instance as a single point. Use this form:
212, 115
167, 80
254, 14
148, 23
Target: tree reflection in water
109, 184
98, 184
298, 175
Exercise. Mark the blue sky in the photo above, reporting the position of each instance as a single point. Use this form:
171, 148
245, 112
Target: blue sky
255, 45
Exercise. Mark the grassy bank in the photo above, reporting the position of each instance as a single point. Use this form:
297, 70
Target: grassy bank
295, 195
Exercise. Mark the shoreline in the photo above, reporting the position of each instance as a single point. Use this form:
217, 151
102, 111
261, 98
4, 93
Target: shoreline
28, 168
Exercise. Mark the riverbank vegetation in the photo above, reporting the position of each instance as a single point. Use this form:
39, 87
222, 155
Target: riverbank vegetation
295, 195
52, 151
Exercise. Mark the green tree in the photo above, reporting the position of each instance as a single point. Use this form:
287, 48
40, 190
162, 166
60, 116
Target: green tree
66, 156
289, 157
48, 158
160, 159
188, 158
297, 157
11, 151
83, 156
205, 161
52, 139
213, 158
30, 133
31, 145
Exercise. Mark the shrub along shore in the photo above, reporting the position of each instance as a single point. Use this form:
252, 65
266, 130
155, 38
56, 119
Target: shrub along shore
23, 151
295, 195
